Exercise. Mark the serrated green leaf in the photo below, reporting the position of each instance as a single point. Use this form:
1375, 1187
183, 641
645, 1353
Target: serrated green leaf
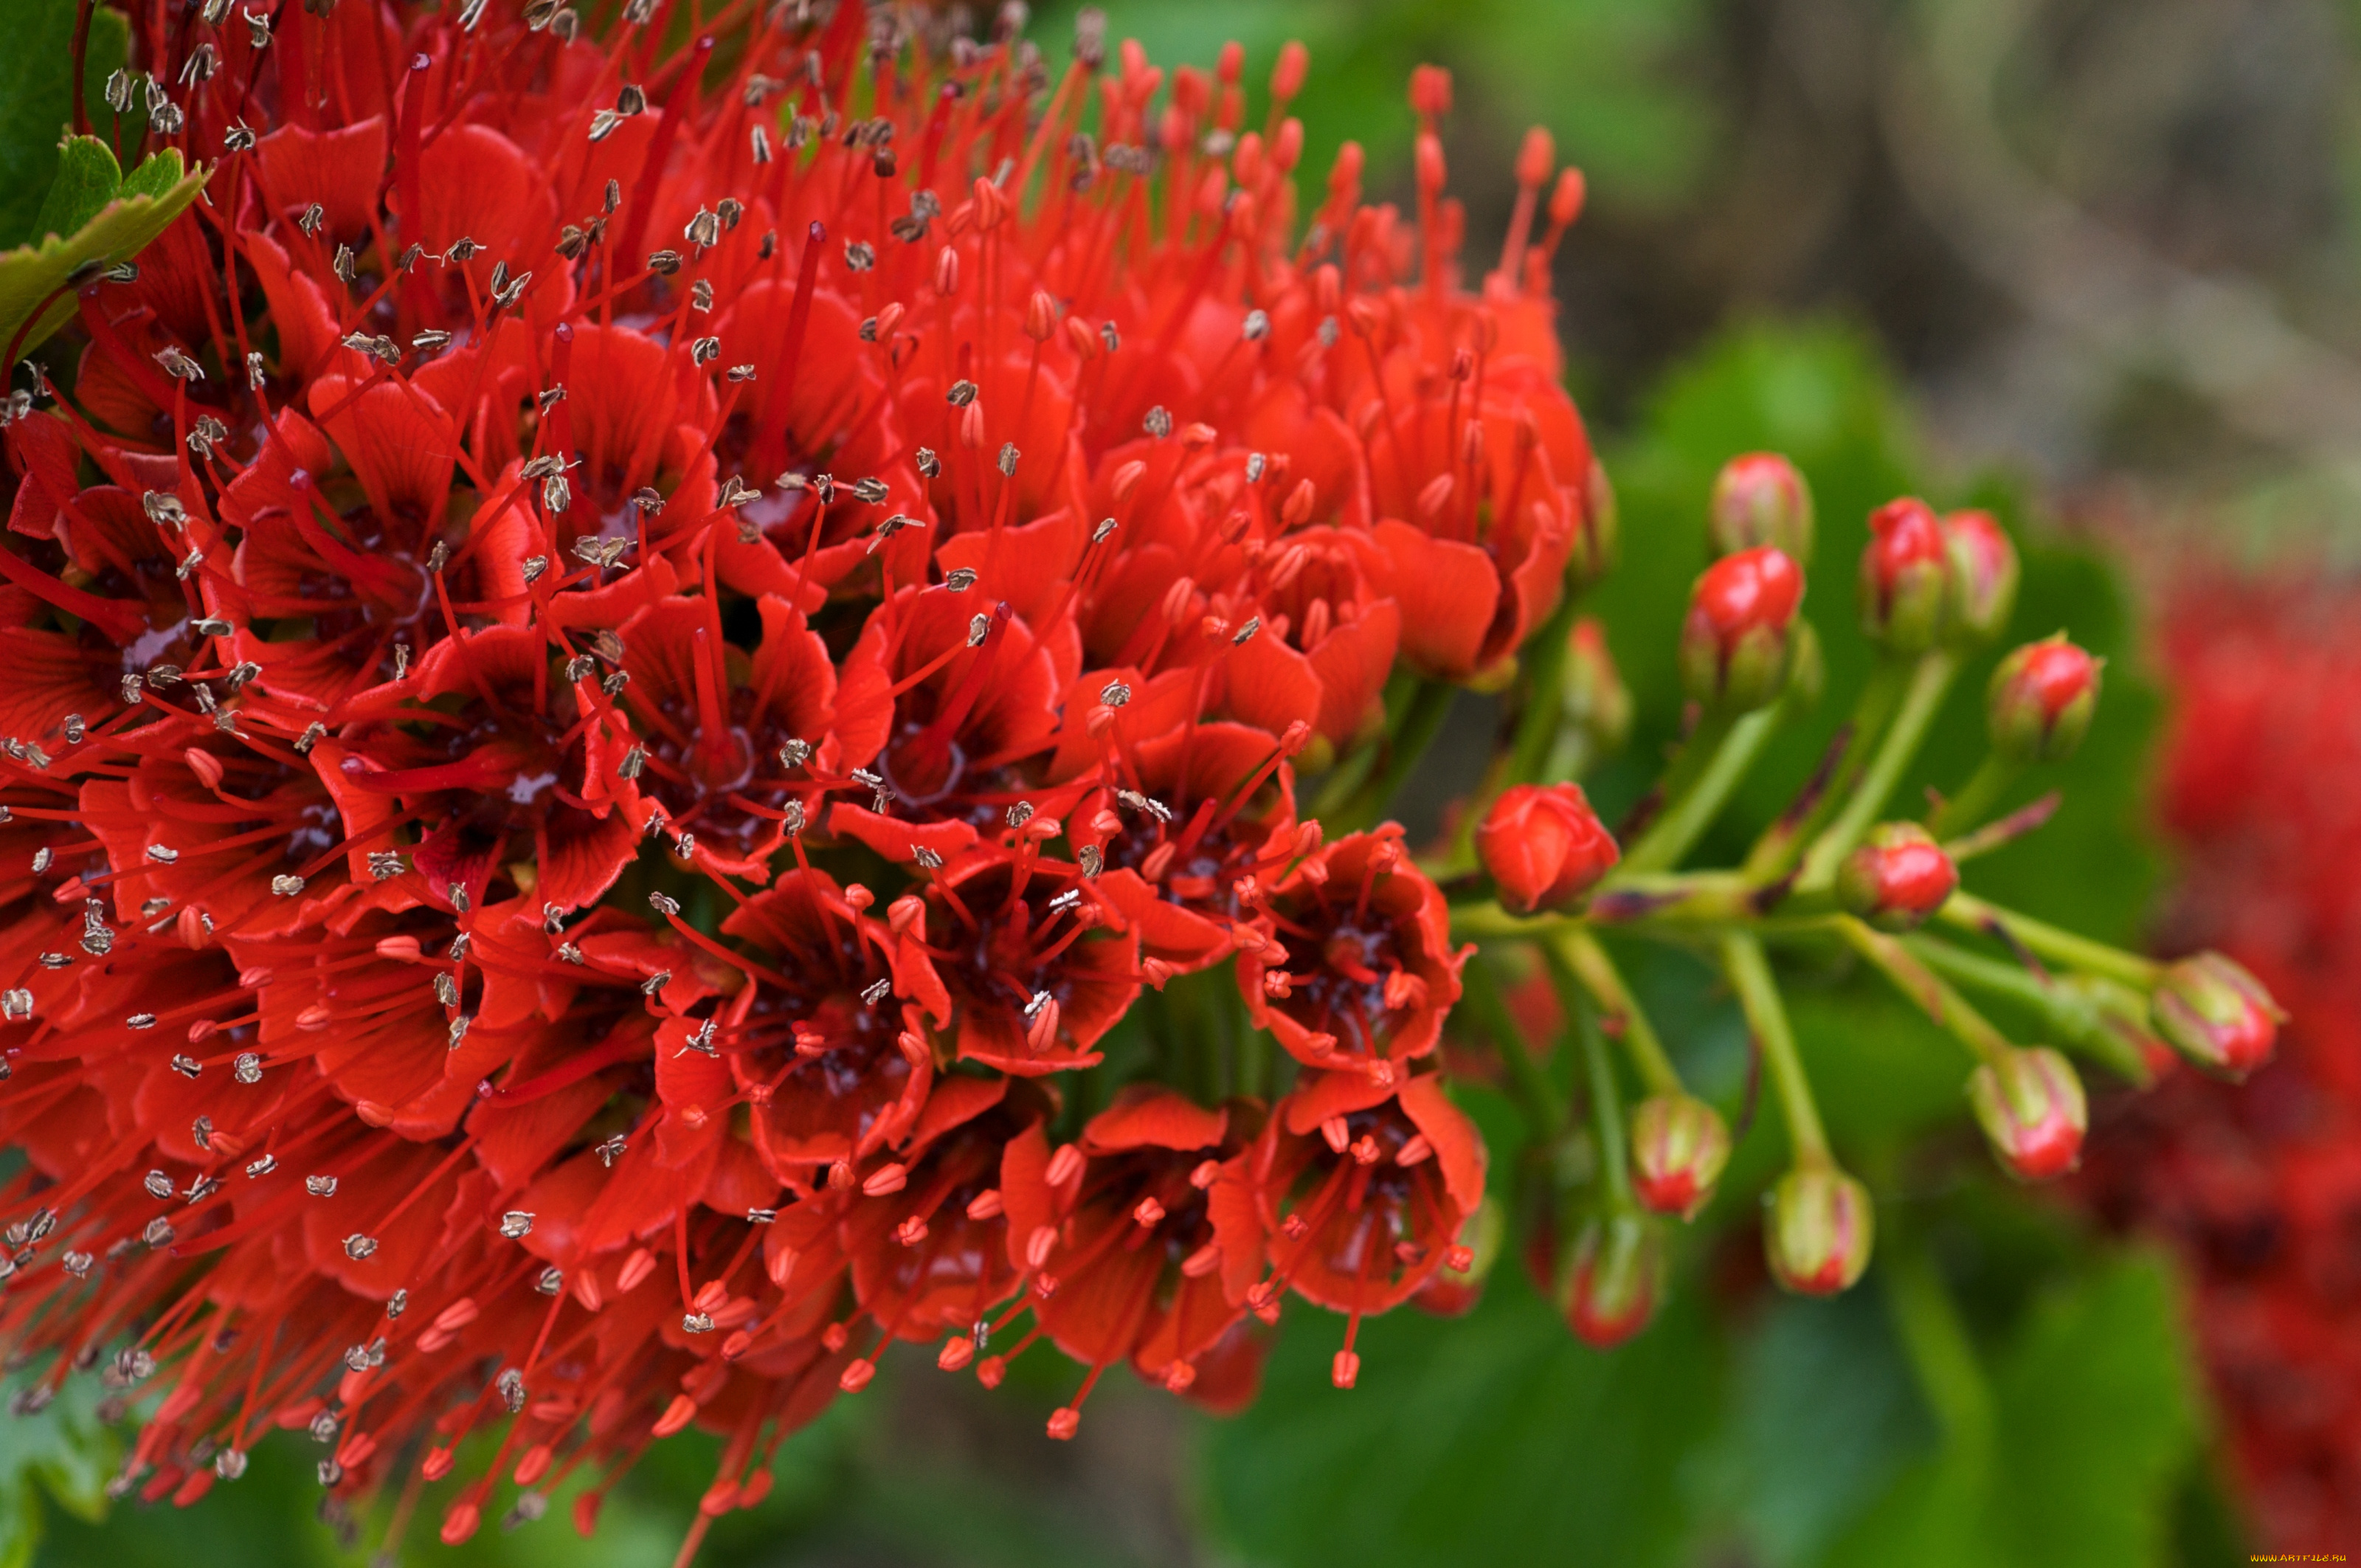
33, 274
1495, 1437
88, 178
37, 99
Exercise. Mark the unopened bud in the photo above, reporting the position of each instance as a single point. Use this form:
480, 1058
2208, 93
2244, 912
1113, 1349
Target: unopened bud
1898, 877
2215, 1014
1758, 499
1545, 846
1816, 1230
1679, 1145
2039, 704
1905, 577
2031, 1107
1983, 576
1738, 644
1591, 690
1612, 1280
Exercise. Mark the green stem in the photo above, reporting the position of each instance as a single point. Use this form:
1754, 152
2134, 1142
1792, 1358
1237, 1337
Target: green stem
1947, 1007
1538, 726
1422, 722
1928, 683
1696, 795
1976, 797
1784, 839
2075, 1011
1941, 1354
1536, 1096
1972, 914
1256, 1059
1758, 993
1576, 961
1606, 1107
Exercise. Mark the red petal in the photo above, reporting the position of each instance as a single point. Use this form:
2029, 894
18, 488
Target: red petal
1150, 1116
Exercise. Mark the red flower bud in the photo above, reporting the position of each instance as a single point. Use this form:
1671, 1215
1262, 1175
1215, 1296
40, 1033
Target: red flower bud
1760, 498
1430, 89
1616, 1272
1905, 577
1738, 641
2031, 1104
2039, 705
1984, 576
1679, 1145
2215, 1014
1898, 877
1545, 846
1817, 1230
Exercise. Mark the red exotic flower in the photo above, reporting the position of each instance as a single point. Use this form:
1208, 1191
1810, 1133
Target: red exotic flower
1357, 970
1038, 964
1132, 1267
1358, 1191
537, 784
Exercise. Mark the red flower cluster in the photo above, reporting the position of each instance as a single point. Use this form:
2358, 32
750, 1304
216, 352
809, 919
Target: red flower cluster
2260, 1188
892, 515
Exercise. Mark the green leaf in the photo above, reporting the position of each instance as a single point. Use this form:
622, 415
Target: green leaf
34, 277
1494, 1438
60, 1453
88, 178
37, 99
2095, 1425
1823, 1413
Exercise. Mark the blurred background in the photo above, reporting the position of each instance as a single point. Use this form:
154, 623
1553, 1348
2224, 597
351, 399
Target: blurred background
2091, 262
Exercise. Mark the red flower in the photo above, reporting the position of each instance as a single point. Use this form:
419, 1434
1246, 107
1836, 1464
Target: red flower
1038, 965
2256, 1188
1358, 970
1360, 1191
554, 532
1212, 808
736, 743
542, 776
1133, 1258
829, 1043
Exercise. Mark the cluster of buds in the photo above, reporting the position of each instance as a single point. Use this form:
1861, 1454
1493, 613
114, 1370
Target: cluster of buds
626, 657
1831, 873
